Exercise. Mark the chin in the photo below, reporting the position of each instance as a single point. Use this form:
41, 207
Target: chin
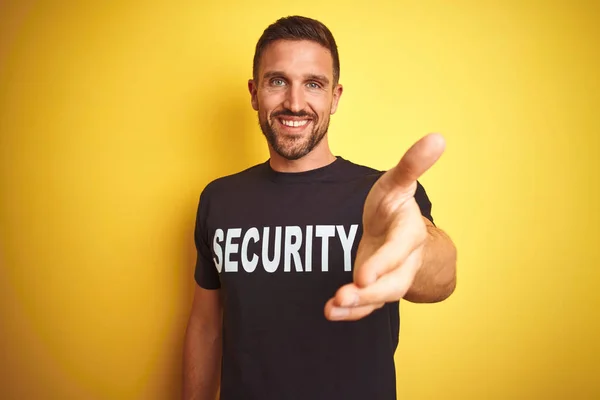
291, 154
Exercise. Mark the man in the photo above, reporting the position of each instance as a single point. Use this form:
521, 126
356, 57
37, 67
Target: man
302, 260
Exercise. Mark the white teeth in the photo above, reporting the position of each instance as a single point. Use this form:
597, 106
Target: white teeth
294, 123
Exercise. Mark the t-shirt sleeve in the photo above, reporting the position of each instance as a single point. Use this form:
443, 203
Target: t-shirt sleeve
205, 273
423, 202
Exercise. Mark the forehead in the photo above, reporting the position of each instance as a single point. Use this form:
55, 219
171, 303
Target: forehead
296, 57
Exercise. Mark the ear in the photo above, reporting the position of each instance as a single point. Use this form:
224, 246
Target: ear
252, 87
337, 93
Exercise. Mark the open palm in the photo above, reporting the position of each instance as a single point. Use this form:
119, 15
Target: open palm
390, 251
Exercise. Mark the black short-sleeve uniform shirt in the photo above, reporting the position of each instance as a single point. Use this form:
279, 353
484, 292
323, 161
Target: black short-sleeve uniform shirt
278, 246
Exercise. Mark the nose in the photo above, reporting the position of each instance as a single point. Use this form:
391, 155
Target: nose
294, 99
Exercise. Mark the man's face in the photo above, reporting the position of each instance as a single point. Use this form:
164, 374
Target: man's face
295, 96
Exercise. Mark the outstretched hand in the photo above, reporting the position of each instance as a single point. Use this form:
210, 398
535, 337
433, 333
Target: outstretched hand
390, 252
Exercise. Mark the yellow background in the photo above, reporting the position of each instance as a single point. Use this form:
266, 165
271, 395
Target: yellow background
114, 116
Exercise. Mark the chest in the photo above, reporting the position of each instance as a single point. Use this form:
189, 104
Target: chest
292, 242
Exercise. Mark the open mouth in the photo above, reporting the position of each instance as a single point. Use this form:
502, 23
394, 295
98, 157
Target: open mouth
293, 123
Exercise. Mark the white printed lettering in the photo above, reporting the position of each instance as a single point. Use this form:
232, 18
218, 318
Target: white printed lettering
219, 235
308, 249
292, 248
230, 247
249, 265
347, 242
325, 232
271, 265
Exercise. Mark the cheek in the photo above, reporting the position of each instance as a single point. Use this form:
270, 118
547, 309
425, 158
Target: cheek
320, 105
322, 111
266, 105
270, 99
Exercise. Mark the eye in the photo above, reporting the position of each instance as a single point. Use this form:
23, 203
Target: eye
314, 85
277, 82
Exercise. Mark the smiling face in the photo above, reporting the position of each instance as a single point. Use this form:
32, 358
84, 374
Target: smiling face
295, 95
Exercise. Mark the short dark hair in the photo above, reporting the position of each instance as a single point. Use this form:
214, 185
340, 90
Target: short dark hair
298, 28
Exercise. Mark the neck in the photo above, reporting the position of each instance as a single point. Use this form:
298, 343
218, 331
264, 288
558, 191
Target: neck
320, 156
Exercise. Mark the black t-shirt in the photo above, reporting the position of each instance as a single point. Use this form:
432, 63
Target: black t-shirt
279, 245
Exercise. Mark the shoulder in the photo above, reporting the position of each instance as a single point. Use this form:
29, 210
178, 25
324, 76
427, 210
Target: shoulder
370, 175
358, 168
352, 169
220, 189
227, 182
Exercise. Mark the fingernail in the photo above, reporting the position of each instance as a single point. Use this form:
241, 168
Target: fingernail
337, 312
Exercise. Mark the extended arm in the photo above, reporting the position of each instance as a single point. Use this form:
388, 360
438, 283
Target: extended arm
436, 279
401, 255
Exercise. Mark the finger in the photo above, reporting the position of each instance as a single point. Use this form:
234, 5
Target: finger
353, 295
390, 255
346, 296
334, 313
416, 161
389, 287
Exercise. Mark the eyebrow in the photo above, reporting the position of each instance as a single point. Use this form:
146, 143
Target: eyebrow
321, 78
311, 77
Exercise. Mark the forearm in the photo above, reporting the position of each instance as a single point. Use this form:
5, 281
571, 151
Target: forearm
436, 279
201, 363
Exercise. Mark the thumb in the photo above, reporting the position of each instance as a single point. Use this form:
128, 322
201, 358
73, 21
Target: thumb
416, 161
